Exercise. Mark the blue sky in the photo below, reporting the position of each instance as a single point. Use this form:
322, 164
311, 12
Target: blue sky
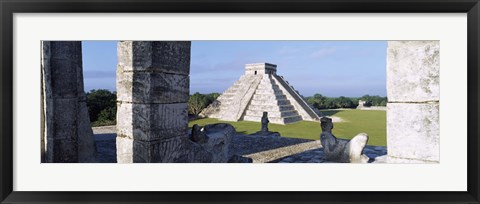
331, 68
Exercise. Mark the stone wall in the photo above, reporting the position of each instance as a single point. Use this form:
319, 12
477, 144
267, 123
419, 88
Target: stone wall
413, 134
66, 132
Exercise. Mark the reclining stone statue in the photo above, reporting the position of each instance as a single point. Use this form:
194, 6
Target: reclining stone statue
211, 144
340, 150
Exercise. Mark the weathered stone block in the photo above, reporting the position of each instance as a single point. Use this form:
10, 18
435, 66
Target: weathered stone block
219, 138
86, 141
169, 120
124, 85
413, 71
64, 119
141, 87
68, 136
124, 149
64, 78
124, 120
147, 122
141, 55
157, 56
124, 54
65, 150
171, 56
175, 150
66, 50
413, 131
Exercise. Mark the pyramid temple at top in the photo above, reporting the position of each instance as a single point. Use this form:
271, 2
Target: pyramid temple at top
261, 89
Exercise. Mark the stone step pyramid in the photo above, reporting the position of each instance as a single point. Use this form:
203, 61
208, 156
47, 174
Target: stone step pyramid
261, 89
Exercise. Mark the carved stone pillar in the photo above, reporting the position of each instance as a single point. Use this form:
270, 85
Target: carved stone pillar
67, 135
413, 93
152, 101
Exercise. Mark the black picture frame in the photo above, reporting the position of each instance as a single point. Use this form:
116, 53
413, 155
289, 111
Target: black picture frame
9, 7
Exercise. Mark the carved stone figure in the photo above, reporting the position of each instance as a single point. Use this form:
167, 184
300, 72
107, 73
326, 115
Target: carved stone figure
265, 122
264, 130
340, 150
198, 135
211, 143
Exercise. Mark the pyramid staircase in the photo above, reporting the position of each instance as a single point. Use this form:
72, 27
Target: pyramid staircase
227, 105
269, 98
260, 90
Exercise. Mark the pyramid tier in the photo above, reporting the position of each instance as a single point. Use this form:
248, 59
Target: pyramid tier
269, 97
272, 113
271, 108
278, 120
266, 102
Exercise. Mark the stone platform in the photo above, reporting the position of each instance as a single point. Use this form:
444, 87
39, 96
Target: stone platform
262, 149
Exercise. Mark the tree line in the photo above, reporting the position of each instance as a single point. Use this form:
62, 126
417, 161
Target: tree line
197, 102
102, 104
322, 102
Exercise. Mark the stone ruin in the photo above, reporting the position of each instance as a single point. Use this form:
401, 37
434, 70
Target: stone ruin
341, 150
413, 92
153, 87
152, 96
66, 133
261, 89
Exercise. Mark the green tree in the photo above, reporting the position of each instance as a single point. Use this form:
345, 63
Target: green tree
196, 103
102, 105
211, 97
374, 100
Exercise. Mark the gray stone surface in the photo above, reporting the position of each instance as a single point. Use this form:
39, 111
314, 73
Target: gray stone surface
240, 159
155, 56
413, 71
152, 119
174, 150
124, 147
219, 137
67, 135
144, 87
152, 95
413, 131
340, 150
86, 143
247, 149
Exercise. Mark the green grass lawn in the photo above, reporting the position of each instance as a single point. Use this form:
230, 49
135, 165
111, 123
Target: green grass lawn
372, 122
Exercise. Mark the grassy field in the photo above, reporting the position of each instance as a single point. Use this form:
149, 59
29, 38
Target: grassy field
372, 122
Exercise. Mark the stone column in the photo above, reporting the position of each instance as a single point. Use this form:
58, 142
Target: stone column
413, 134
152, 100
67, 135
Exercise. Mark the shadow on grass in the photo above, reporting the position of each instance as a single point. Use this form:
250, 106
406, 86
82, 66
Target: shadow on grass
329, 112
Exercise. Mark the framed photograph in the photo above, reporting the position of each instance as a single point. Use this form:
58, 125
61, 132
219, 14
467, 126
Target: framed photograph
227, 102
